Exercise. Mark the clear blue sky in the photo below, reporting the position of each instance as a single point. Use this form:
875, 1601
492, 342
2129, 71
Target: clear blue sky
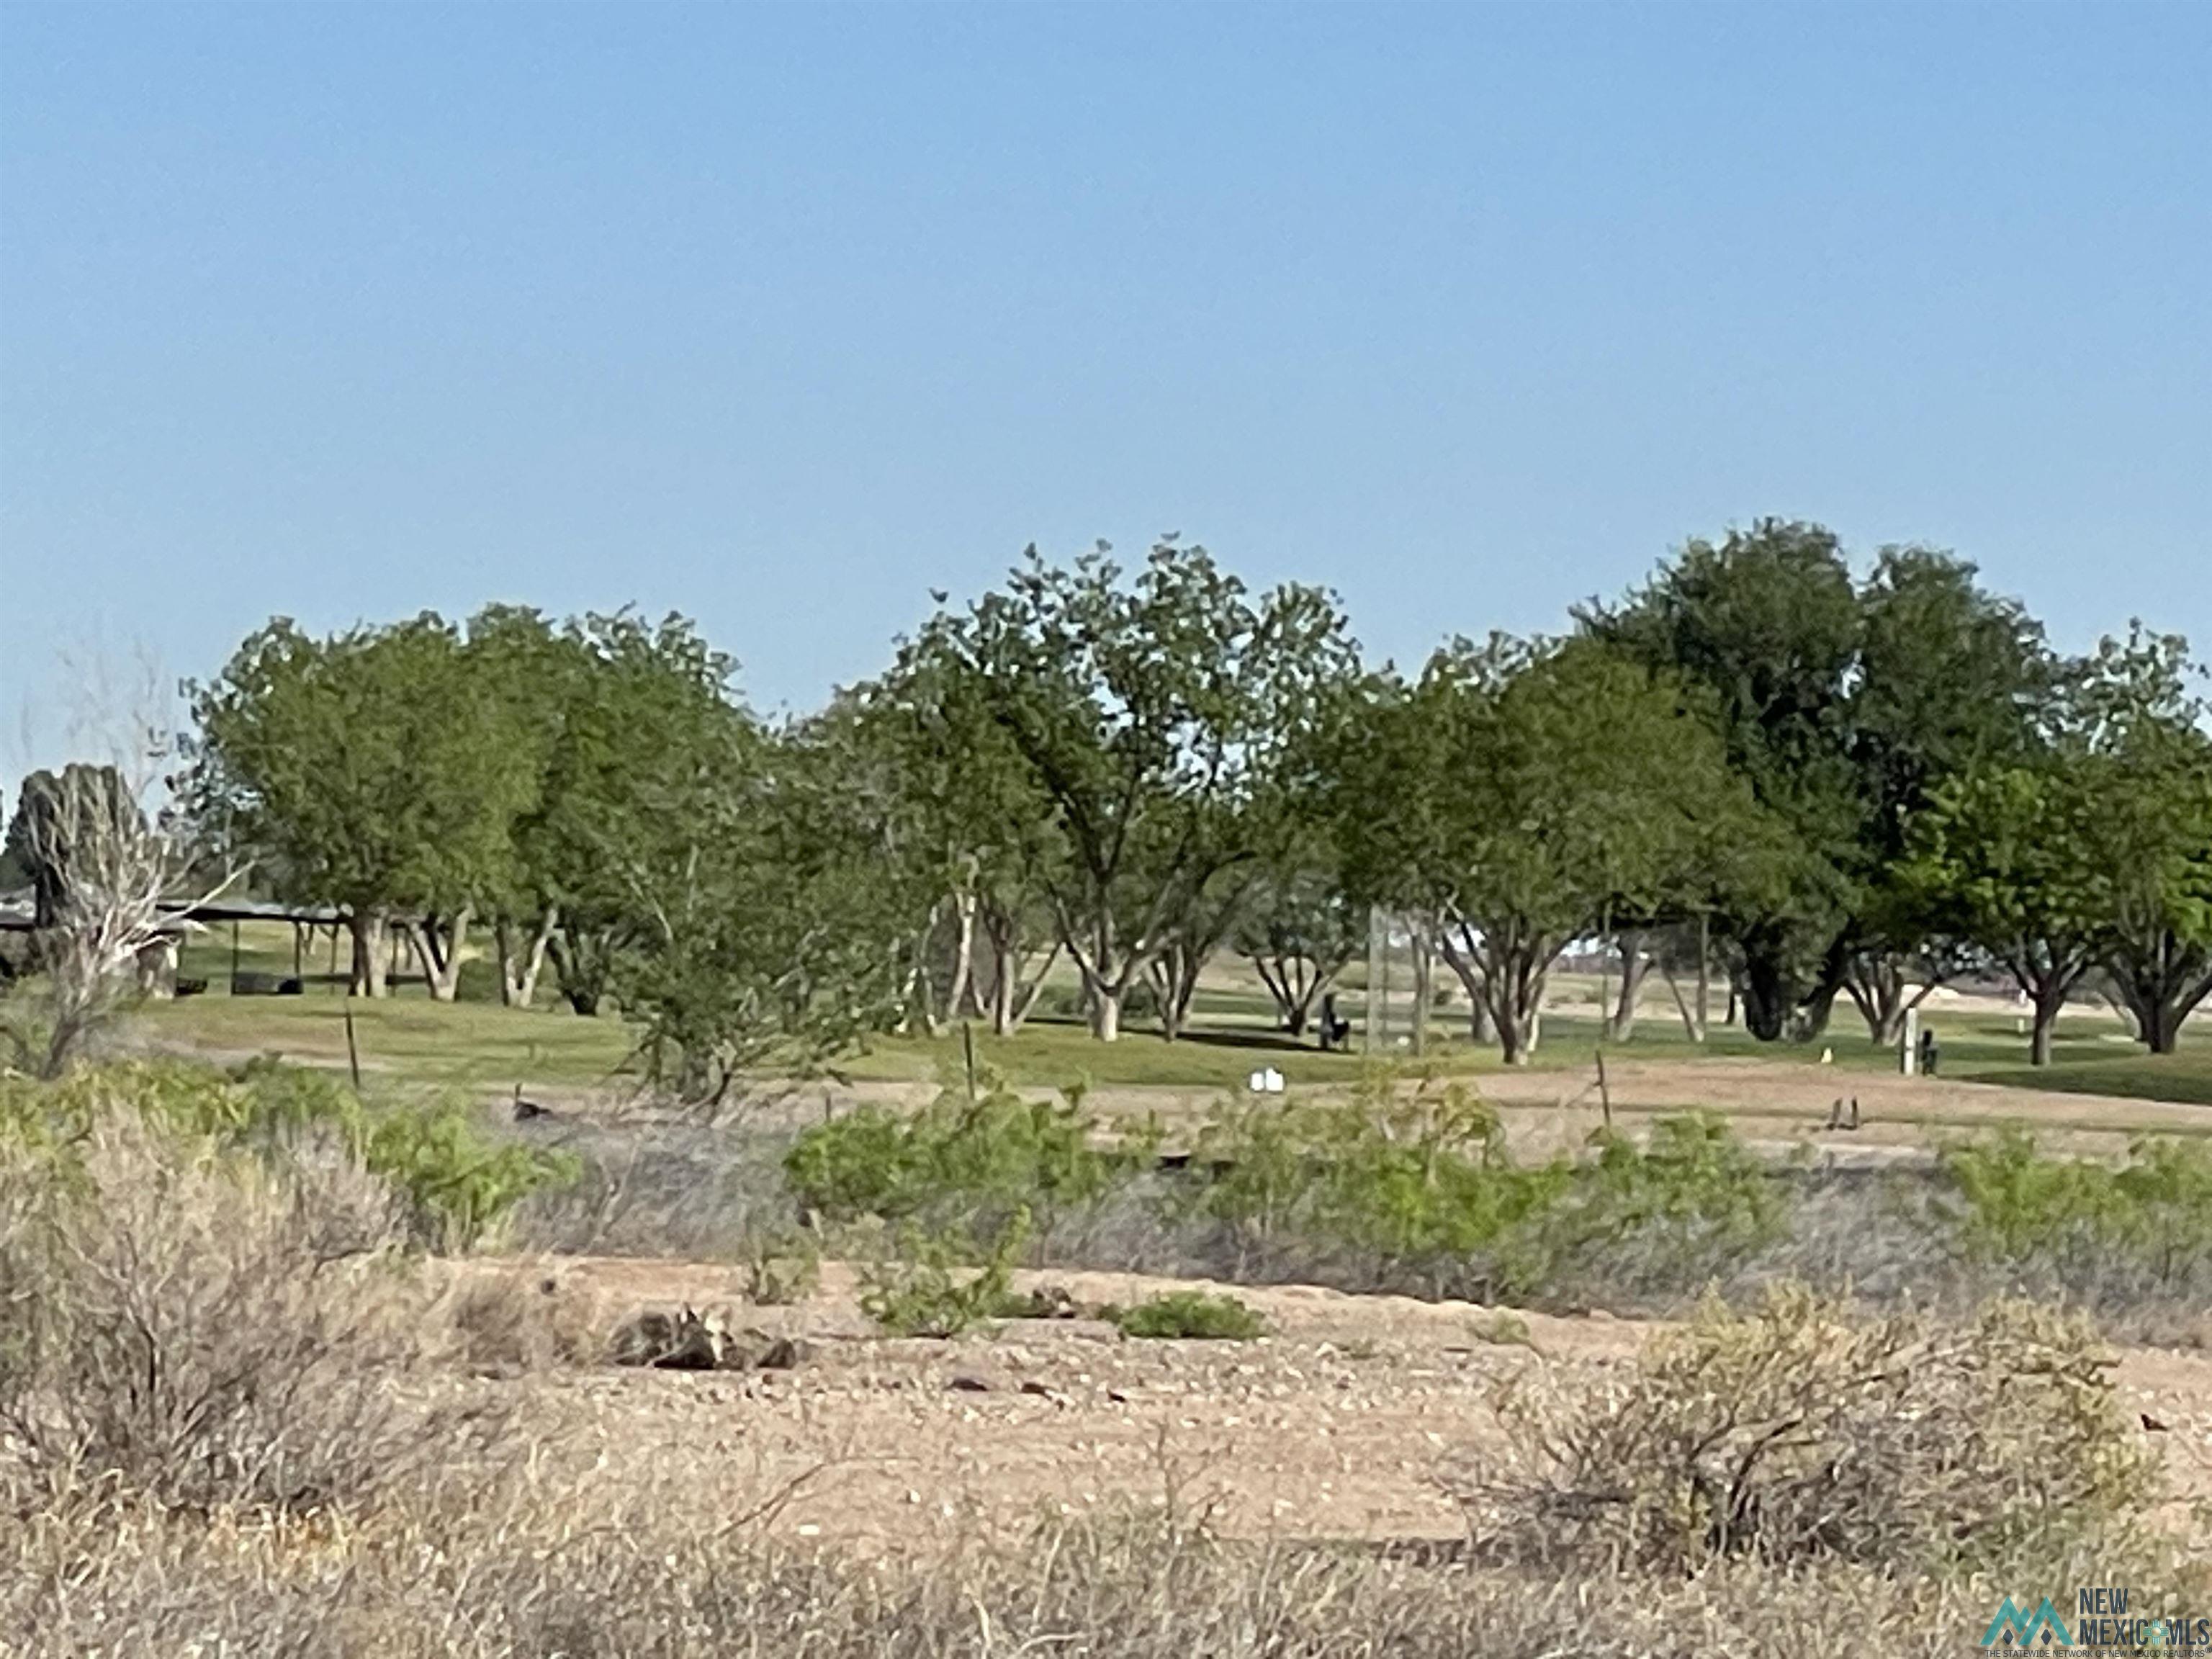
783, 317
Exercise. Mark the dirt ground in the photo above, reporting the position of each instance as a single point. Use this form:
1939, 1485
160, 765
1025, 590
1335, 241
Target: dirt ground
1334, 1426
1780, 1107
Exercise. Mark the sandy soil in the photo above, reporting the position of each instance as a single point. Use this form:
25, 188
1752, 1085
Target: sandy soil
1336, 1427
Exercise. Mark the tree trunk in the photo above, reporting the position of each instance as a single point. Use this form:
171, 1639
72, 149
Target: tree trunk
1424, 968
440, 957
518, 976
367, 928
1002, 990
580, 961
1105, 1013
2161, 982
1026, 1001
1705, 976
961, 992
1513, 977
1765, 998
1634, 968
1460, 958
2049, 997
1174, 975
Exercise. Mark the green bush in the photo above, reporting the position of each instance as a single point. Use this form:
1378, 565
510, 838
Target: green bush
458, 1181
1411, 1180
1190, 1315
959, 1162
781, 1266
1422, 1186
1687, 1206
2153, 1212
931, 1290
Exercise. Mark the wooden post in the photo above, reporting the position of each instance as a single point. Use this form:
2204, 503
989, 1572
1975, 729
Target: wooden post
233, 953
968, 1053
353, 1050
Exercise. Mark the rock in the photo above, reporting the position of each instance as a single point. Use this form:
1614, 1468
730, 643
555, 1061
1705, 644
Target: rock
968, 1385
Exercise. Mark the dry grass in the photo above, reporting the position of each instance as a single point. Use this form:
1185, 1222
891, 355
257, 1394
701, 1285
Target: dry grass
519, 1321
203, 1328
218, 1377
1808, 1429
521, 1571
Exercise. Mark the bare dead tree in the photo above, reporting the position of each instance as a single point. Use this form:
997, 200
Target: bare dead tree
108, 856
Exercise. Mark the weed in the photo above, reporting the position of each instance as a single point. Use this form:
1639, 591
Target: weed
1190, 1315
1501, 1329
780, 1268
931, 1290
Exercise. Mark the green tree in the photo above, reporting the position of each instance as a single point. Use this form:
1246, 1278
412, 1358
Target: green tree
639, 710
1152, 715
1845, 707
1300, 928
2156, 817
1768, 623
1519, 793
56, 815
378, 770
1951, 680
2015, 860
761, 911
957, 810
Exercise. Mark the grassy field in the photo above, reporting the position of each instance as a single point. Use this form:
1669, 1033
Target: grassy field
481, 1045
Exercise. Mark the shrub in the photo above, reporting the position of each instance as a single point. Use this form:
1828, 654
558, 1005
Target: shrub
1190, 1314
1420, 1182
1502, 1329
1691, 1203
506, 1321
2153, 1212
205, 1326
459, 1182
1808, 1429
959, 1162
781, 1267
1422, 1189
930, 1291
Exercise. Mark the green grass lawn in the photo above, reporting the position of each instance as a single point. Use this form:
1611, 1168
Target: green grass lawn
478, 1044
472, 1045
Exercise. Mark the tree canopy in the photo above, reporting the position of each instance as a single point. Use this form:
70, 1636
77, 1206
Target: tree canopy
1823, 780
